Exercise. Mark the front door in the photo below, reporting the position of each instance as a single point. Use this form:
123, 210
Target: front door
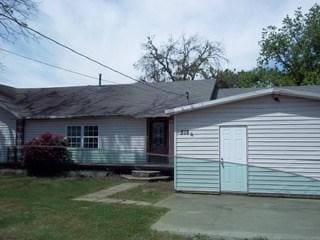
233, 159
158, 140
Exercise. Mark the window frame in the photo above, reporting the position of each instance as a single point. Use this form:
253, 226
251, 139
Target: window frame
90, 137
66, 134
82, 135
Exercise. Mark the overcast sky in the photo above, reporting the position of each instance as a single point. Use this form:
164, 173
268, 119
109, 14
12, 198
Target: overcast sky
112, 31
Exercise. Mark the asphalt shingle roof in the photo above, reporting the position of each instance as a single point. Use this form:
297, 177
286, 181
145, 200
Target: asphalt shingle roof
135, 100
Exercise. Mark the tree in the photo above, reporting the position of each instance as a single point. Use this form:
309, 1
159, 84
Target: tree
14, 15
294, 49
188, 58
255, 78
227, 78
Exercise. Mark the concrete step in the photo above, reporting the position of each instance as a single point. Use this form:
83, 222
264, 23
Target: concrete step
148, 179
145, 173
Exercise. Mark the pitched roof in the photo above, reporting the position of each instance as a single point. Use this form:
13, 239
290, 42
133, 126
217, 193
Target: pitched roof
135, 100
234, 95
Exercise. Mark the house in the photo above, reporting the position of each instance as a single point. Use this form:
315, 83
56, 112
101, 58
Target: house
108, 124
262, 141
255, 141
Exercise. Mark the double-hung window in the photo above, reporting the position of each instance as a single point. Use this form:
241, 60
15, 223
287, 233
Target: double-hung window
83, 136
90, 136
74, 136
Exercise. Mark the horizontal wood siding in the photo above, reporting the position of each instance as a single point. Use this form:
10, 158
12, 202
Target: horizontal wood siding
7, 133
283, 143
121, 139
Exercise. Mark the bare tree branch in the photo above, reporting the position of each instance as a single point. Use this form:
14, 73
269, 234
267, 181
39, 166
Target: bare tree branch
188, 58
14, 15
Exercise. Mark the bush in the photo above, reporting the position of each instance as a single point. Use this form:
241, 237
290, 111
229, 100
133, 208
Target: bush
46, 155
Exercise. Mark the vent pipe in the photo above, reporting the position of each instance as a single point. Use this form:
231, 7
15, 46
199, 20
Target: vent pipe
188, 96
100, 79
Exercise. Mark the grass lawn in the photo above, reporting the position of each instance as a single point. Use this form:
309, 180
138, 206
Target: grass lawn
33, 208
151, 192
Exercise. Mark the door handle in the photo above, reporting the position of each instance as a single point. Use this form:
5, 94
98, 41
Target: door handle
222, 162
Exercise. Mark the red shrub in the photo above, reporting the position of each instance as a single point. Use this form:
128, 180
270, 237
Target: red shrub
46, 155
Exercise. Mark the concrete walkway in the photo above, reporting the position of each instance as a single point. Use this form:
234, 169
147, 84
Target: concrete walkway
105, 195
239, 217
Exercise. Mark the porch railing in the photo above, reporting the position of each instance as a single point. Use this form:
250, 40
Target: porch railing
11, 154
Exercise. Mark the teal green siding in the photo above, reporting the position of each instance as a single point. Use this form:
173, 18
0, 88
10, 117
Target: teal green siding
201, 175
101, 156
266, 180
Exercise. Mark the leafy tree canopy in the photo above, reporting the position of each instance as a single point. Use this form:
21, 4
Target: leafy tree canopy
294, 48
258, 77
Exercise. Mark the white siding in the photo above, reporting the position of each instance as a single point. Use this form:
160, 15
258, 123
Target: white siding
283, 143
7, 133
120, 138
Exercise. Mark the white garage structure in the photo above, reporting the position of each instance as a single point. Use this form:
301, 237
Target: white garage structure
261, 142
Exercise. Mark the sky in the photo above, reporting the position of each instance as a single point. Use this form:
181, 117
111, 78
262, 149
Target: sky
112, 31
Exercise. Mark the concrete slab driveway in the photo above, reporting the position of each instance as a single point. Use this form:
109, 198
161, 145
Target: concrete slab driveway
239, 217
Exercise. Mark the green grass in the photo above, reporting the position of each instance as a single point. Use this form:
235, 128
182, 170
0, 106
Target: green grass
32, 208
149, 192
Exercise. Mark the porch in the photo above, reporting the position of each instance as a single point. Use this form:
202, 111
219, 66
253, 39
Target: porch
84, 158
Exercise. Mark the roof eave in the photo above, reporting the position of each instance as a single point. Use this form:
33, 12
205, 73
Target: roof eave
95, 115
14, 113
244, 96
72, 116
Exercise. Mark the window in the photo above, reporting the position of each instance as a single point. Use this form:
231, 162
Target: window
90, 137
86, 136
74, 136
158, 134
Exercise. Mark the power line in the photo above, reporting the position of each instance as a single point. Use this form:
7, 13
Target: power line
62, 68
53, 66
87, 57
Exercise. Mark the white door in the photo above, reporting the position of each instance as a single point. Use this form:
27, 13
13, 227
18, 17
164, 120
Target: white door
233, 159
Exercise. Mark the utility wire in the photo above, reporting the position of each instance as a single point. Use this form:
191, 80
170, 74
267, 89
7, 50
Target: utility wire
53, 66
85, 56
63, 68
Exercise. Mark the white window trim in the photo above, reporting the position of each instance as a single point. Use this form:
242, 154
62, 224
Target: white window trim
82, 138
82, 135
66, 135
